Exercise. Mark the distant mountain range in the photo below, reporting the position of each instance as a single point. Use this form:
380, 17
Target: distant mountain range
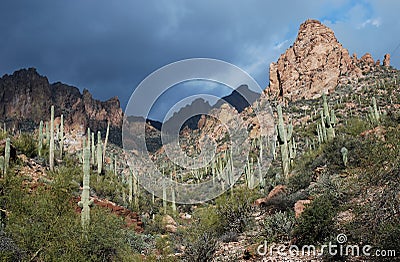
26, 98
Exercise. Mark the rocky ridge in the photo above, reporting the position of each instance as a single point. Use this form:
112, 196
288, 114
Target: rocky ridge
27, 96
316, 63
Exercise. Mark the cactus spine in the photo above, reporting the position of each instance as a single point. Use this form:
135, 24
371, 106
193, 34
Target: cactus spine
284, 135
40, 146
61, 136
51, 153
85, 202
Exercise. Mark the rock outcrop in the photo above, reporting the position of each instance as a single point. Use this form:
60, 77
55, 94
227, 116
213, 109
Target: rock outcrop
386, 60
27, 96
314, 64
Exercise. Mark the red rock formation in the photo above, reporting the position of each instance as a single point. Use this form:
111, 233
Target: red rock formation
26, 95
386, 60
312, 65
276, 191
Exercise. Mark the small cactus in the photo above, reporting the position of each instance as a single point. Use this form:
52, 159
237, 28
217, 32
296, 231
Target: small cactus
344, 152
2, 162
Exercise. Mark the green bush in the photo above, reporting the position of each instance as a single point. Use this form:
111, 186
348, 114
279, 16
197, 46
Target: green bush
26, 145
44, 225
315, 224
234, 211
279, 226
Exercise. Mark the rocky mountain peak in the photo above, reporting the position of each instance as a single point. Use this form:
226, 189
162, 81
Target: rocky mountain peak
26, 96
312, 65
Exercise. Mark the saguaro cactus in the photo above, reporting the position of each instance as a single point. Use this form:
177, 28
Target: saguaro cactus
40, 138
374, 114
93, 150
85, 202
7, 155
47, 134
61, 136
99, 154
106, 140
344, 152
130, 184
164, 196
284, 135
173, 199
328, 120
51, 153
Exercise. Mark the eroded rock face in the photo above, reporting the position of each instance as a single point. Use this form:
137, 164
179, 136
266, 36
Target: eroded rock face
312, 65
26, 95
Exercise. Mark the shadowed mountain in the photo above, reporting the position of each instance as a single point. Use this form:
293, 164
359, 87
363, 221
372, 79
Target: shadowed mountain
189, 115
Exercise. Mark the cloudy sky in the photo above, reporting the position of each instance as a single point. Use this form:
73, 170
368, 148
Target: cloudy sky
109, 47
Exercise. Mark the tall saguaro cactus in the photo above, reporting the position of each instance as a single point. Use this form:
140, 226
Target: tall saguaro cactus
40, 138
51, 153
106, 140
99, 154
93, 158
85, 202
7, 155
284, 136
328, 120
61, 136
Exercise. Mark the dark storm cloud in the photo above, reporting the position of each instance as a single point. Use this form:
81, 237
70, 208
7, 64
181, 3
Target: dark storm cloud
108, 47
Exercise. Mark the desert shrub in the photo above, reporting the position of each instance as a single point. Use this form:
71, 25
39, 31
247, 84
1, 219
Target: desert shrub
200, 247
140, 243
300, 180
155, 226
279, 226
315, 224
44, 226
234, 211
355, 126
26, 145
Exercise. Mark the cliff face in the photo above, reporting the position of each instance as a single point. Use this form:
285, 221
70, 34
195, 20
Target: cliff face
314, 64
27, 96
